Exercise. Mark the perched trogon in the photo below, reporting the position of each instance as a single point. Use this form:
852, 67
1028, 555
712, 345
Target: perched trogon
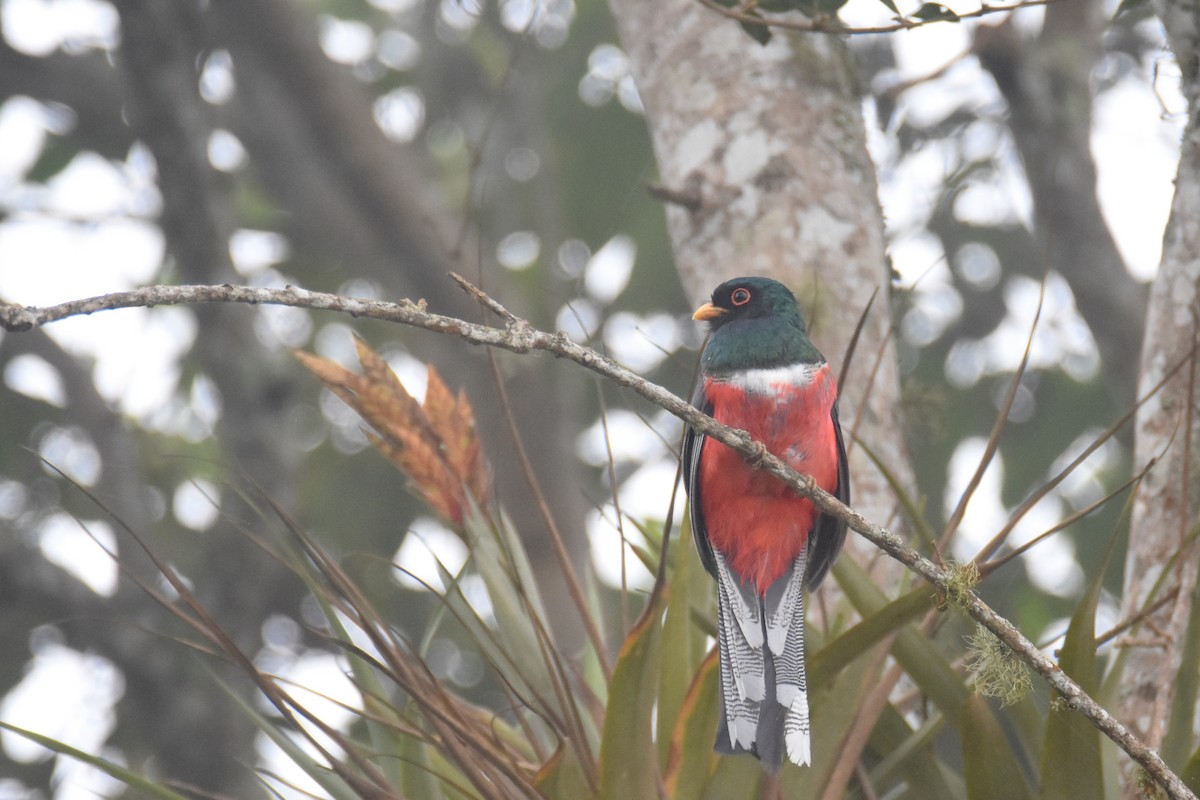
762, 542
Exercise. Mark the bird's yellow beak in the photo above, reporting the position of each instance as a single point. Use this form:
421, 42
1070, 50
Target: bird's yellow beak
708, 311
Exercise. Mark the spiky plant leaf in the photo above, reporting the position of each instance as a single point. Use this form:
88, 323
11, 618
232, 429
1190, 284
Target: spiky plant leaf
989, 776
126, 776
1071, 762
520, 650
911, 753
628, 758
825, 663
1182, 719
1191, 773
734, 776
562, 777
312, 767
692, 760
402, 759
932, 673
682, 640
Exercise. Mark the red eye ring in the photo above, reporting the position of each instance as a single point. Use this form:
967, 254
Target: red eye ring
740, 296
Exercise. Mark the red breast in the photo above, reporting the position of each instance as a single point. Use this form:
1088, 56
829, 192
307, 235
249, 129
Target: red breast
752, 518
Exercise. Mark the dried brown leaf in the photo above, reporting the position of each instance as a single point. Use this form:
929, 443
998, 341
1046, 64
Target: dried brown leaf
328, 372
433, 443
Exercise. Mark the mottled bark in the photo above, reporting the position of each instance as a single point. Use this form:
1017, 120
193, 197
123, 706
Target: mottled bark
770, 143
1167, 506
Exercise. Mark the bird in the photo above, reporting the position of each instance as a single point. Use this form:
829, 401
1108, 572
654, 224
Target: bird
763, 543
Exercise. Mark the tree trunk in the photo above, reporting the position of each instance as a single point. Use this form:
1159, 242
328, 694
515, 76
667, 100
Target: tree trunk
1167, 505
766, 147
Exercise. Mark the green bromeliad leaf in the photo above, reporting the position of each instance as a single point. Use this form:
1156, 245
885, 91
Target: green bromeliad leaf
1071, 754
988, 777
683, 641
691, 760
126, 776
628, 757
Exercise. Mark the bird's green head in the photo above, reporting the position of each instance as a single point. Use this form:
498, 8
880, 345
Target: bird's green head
755, 323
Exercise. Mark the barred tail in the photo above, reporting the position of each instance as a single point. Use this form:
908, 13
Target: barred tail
740, 639
783, 619
764, 691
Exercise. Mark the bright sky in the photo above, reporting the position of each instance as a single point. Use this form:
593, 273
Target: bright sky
47, 257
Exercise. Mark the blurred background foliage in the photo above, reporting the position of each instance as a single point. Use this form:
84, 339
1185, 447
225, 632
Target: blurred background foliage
370, 147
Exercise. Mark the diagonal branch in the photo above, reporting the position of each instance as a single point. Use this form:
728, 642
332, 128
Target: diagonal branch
519, 336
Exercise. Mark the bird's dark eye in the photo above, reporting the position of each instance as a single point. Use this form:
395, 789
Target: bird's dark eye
740, 297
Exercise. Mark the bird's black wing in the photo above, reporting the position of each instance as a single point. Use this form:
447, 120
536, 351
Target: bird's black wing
828, 534
693, 445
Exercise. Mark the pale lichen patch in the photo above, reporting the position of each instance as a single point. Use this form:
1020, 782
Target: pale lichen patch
746, 206
700, 95
821, 231
1183, 291
776, 51
696, 147
746, 156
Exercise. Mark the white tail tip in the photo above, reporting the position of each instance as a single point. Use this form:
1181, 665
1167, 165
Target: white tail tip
796, 731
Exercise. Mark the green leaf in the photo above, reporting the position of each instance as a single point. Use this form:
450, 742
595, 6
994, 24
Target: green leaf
910, 752
989, 777
927, 667
757, 32
1072, 762
516, 650
402, 759
830, 659
933, 12
1181, 721
562, 777
1191, 773
1129, 6
932, 673
891, 6
122, 774
691, 760
297, 754
680, 638
735, 776
54, 158
628, 758
1071, 766
819, 10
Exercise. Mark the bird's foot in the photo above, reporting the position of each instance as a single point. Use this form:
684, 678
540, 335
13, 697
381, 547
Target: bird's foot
759, 453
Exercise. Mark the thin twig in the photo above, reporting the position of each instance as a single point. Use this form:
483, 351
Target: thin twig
521, 337
1029, 502
993, 441
988, 567
557, 542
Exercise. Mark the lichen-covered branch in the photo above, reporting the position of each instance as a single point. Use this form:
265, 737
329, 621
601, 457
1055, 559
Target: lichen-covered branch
519, 336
